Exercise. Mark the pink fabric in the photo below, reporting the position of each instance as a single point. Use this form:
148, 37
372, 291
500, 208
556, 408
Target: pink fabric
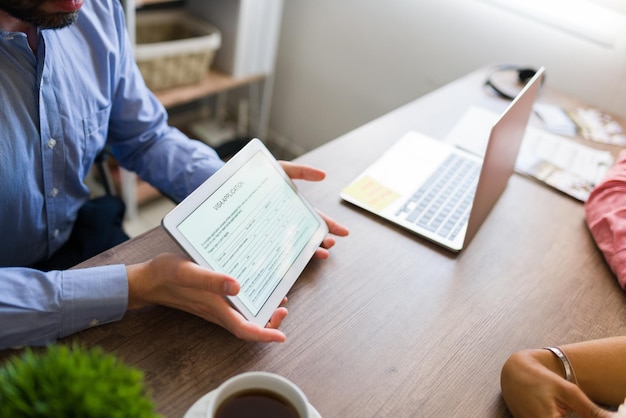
605, 212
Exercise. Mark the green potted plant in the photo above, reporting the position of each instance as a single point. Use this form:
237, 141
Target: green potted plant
72, 381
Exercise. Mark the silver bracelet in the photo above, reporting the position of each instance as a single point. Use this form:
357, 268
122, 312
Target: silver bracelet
569, 371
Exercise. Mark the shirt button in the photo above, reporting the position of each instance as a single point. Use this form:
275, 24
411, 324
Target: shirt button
56, 232
94, 322
54, 192
51, 143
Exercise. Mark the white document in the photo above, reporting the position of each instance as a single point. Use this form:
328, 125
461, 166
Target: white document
555, 160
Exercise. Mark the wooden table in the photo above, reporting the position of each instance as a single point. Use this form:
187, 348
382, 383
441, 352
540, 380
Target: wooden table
391, 325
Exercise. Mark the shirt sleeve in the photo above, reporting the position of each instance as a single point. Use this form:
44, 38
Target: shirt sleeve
141, 137
37, 308
605, 212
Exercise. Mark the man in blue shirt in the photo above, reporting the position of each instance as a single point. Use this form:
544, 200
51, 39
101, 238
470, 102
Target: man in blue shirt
68, 86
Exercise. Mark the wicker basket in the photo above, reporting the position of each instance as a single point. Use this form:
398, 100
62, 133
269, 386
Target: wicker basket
174, 48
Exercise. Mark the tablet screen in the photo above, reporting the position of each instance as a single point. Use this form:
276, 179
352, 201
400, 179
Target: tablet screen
253, 227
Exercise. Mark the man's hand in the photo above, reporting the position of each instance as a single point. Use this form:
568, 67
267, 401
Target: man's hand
305, 172
174, 281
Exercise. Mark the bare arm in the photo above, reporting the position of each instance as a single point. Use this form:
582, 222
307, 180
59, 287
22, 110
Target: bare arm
600, 367
533, 382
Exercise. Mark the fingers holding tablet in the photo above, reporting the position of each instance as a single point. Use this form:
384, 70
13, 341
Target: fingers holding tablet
302, 172
235, 323
173, 280
334, 228
177, 282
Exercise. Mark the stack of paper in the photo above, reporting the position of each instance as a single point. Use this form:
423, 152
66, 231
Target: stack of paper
552, 159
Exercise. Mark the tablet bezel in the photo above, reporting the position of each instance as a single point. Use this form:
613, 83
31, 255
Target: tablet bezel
176, 216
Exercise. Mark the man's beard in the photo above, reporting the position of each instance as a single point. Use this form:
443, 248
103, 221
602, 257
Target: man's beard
29, 11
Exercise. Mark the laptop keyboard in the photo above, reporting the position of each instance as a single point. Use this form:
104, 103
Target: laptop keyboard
442, 204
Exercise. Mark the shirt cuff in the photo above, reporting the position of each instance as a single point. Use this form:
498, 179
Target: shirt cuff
93, 296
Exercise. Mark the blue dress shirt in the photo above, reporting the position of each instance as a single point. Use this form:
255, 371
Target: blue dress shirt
58, 108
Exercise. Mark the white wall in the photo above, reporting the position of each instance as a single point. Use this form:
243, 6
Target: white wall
342, 63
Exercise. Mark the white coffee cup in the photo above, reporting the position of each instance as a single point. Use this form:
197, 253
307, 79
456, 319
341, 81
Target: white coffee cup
263, 381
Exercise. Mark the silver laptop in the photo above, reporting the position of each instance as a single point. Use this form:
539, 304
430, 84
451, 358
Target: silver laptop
439, 191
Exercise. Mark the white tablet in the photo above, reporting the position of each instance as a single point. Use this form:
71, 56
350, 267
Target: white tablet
249, 220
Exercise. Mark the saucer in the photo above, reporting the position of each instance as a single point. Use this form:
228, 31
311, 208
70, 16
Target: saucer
199, 408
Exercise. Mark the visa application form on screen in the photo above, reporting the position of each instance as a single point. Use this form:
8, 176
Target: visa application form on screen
252, 228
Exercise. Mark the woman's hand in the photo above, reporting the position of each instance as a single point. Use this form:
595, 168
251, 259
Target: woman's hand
533, 386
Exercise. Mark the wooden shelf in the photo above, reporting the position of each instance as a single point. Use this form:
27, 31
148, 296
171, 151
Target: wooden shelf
214, 82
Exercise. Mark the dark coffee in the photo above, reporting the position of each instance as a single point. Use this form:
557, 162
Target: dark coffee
257, 403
